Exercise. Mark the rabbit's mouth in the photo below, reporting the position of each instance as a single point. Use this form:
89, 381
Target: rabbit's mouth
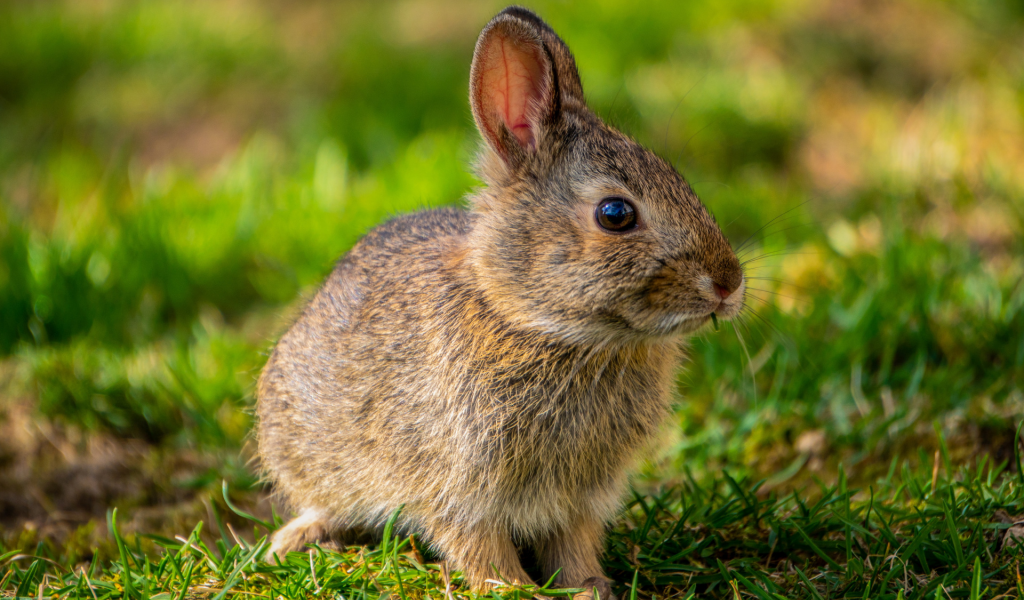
684, 323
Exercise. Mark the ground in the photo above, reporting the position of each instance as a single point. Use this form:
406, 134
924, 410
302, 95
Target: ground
177, 177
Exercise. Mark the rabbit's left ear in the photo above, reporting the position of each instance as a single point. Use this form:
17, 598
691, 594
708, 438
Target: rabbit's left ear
523, 76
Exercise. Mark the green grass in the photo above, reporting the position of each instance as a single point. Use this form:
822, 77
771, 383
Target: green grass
915, 535
176, 178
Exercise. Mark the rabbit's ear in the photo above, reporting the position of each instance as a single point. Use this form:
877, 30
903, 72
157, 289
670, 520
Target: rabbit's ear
523, 76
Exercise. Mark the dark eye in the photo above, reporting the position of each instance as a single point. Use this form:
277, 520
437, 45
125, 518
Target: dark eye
616, 214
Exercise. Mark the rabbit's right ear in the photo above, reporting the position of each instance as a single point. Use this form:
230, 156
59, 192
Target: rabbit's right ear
523, 77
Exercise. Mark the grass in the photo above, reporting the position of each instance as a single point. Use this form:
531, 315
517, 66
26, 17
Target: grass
917, 535
176, 178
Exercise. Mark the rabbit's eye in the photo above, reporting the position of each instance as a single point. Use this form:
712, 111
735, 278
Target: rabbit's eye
616, 214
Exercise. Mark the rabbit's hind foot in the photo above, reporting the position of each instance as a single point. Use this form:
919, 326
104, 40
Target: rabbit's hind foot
596, 588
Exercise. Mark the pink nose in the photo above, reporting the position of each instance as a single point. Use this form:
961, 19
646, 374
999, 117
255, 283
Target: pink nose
723, 293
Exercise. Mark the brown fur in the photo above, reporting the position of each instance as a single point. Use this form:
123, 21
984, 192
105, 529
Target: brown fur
499, 370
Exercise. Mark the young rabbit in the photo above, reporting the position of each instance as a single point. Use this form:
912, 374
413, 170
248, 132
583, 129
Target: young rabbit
498, 370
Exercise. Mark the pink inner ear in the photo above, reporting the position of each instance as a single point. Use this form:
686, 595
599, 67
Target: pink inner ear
511, 78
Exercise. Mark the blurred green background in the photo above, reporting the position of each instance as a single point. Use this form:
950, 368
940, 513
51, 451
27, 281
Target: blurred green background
176, 177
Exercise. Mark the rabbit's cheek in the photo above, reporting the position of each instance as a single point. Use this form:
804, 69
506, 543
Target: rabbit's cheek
676, 288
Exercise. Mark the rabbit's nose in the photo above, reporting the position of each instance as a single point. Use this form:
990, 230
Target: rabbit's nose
722, 291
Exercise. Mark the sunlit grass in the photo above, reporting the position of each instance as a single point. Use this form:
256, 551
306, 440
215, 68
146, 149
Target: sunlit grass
913, 534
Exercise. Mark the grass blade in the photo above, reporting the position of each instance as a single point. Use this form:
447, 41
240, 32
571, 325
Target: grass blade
1017, 442
814, 547
954, 533
976, 580
240, 512
126, 572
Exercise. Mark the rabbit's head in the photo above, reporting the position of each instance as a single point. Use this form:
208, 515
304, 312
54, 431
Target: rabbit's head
582, 232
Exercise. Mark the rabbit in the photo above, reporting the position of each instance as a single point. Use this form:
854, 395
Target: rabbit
499, 370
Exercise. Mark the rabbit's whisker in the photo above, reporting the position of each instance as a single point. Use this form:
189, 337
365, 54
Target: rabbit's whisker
765, 321
740, 253
750, 363
782, 282
763, 227
782, 224
794, 299
687, 143
773, 254
668, 125
778, 281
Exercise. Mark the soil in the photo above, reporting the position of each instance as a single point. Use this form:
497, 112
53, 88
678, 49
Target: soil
57, 480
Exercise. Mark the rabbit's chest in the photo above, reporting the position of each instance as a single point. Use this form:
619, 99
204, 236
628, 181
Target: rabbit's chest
576, 433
